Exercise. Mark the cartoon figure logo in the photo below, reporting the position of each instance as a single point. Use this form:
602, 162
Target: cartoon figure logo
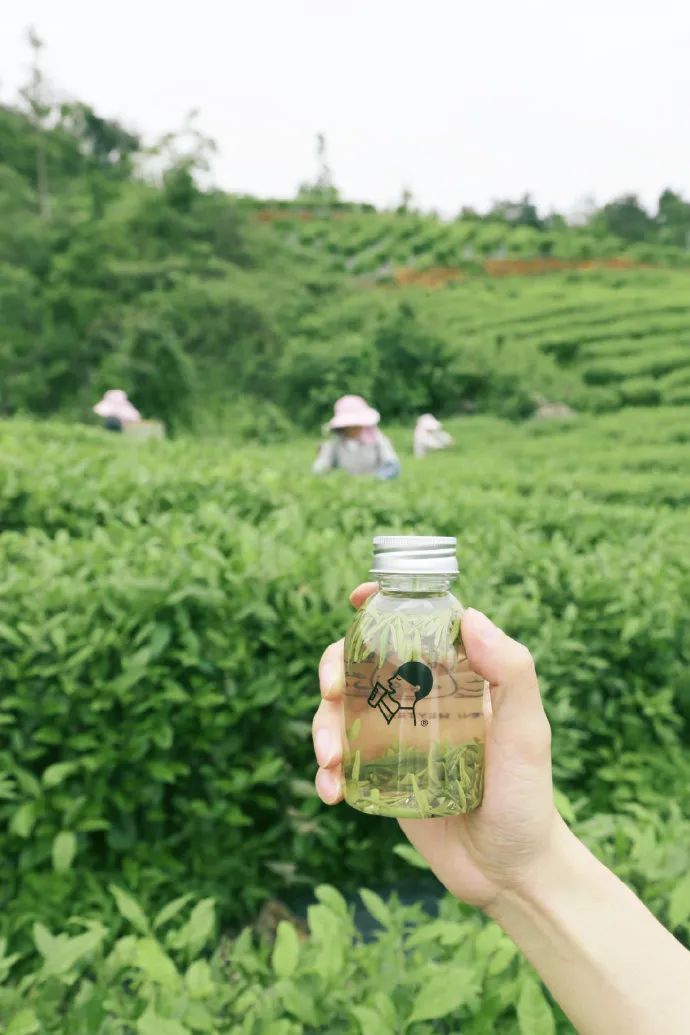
412, 682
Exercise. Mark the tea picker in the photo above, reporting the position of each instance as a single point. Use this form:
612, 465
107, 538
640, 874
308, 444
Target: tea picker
355, 444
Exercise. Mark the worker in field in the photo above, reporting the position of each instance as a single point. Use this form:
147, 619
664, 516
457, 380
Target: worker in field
116, 410
355, 443
429, 435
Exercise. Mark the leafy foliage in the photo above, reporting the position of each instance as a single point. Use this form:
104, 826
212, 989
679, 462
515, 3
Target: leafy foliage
415, 973
194, 301
165, 608
165, 604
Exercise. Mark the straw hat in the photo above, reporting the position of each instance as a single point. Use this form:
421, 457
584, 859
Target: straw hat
352, 411
427, 422
116, 404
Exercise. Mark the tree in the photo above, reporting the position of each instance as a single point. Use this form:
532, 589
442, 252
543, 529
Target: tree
177, 159
322, 190
625, 217
39, 108
405, 203
151, 364
555, 221
673, 219
104, 140
517, 213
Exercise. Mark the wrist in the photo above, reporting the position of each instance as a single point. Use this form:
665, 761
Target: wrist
607, 961
549, 875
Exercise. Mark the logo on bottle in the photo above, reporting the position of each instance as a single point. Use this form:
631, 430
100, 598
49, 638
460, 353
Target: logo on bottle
410, 683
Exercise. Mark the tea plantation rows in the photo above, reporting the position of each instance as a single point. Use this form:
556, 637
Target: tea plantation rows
599, 340
371, 243
162, 611
612, 339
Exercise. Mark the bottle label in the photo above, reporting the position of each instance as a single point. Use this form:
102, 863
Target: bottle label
411, 682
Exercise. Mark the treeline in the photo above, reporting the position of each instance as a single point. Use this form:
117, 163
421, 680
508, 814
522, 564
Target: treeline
624, 217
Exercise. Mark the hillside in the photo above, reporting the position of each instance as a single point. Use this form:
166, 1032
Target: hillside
195, 301
384, 245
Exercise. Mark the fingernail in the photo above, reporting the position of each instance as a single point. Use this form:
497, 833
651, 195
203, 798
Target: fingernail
323, 745
484, 627
327, 786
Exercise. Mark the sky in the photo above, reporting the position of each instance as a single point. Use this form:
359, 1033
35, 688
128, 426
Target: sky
460, 101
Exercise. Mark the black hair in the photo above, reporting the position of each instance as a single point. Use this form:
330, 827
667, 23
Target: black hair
417, 674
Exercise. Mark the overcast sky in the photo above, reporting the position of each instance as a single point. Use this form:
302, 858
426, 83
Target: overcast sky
462, 101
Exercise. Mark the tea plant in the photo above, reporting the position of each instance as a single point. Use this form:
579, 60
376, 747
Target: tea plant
156, 975
164, 610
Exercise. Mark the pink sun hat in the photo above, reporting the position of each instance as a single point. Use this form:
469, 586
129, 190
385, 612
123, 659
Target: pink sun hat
352, 411
116, 404
427, 422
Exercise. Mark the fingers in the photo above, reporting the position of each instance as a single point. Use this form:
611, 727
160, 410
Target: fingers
362, 593
328, 748
332, 671
329, 786
517, 710
327, 724
327, 735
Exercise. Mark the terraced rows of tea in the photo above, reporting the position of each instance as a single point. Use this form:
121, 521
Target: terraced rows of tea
377, 242
611, 330
600, 340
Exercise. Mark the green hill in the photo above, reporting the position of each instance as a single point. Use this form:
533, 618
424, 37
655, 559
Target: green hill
195, 301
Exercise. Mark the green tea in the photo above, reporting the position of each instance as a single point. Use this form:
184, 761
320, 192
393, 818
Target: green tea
414, 718
444, 782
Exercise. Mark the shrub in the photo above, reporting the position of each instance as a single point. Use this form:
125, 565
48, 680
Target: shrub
168, 974
157, 977
640, 391
166, 605
678, 396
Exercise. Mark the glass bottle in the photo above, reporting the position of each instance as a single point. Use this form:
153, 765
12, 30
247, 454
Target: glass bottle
413, 716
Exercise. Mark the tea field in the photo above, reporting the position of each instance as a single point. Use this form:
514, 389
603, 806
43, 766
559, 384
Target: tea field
221, 314
360, 240
162, 610
597, 339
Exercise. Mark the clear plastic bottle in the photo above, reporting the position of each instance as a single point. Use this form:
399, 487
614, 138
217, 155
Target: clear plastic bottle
414, 721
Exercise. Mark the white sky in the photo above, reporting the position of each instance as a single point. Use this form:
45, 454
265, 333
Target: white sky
461, 101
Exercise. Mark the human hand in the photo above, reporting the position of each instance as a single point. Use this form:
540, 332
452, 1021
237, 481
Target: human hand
499, 845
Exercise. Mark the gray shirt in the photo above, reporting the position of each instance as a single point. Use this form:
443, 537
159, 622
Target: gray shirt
354, 456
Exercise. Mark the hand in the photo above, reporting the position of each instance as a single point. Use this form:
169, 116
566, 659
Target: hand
497, 847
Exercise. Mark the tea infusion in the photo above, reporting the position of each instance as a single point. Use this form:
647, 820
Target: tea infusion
414, 723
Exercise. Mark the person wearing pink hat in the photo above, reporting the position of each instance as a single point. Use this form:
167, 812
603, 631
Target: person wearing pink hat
116, 410
356, 444
429, 435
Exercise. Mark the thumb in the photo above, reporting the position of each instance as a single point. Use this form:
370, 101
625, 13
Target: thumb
508, 667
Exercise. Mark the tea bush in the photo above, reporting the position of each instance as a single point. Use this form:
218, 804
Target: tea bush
162, 613
159, 976
168, 974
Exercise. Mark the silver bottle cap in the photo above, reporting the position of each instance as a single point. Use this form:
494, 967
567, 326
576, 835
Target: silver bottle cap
414, 555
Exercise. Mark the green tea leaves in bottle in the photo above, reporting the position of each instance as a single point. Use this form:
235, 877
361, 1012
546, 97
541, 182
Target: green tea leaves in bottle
414, 721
